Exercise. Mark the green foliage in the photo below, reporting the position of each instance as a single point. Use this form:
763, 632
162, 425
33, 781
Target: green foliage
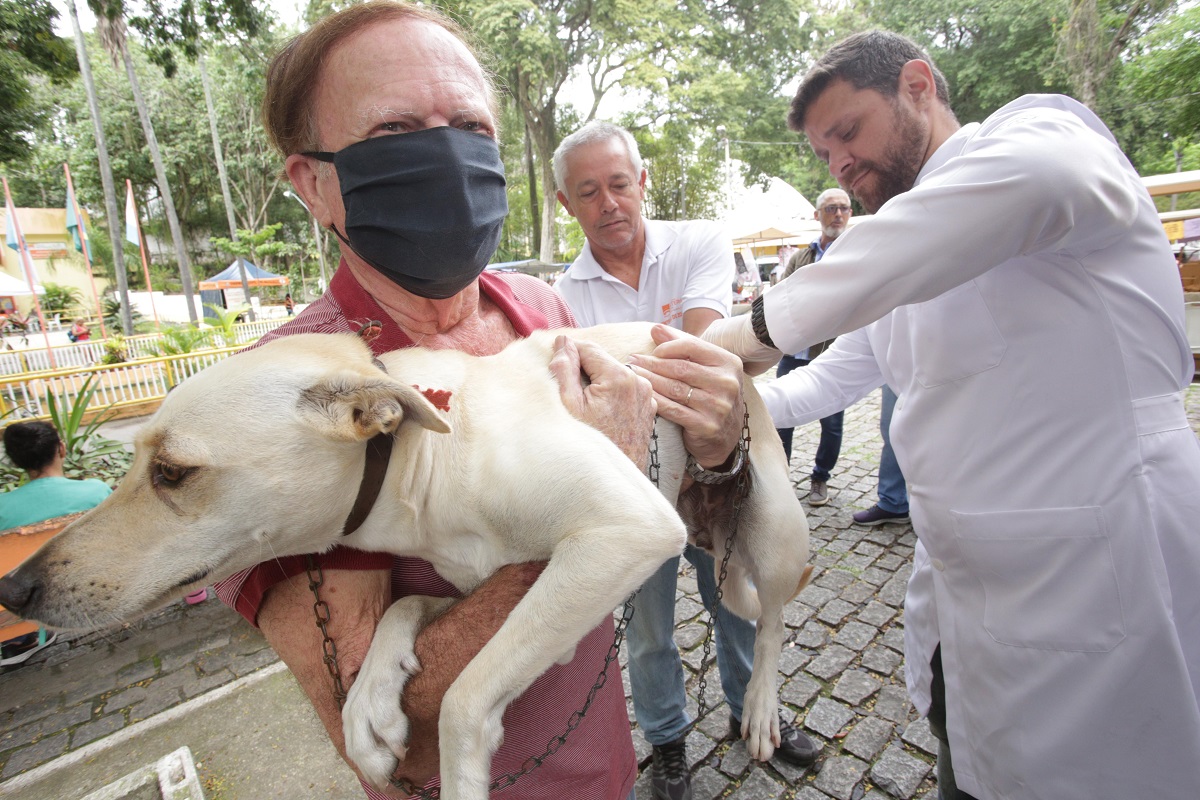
991, 53
112, 313
225, 320
180, 27
683, 179
116, 351
88, 453
60, 298
27, 46
258, 246
182, 339
1166, 71
683, 69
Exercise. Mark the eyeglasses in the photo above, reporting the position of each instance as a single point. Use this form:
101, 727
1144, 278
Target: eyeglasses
836, 209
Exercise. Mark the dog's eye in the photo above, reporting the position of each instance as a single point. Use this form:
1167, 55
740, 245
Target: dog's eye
168, 474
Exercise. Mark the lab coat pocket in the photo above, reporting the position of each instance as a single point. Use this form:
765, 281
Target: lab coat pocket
1048, 577
954, 336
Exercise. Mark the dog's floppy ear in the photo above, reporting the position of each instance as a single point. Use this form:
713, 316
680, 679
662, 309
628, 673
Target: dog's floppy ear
354, 408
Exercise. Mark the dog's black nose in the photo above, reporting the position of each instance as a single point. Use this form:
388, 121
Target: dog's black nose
16, 591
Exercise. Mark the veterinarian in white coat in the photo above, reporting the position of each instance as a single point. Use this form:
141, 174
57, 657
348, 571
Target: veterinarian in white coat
1018, 292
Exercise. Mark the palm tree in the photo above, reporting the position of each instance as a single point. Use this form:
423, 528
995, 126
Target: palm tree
110, 25
106, 177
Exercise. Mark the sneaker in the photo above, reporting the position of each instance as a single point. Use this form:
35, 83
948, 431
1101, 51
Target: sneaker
669, 776
18, 650
795, 747
877, 516
818, 493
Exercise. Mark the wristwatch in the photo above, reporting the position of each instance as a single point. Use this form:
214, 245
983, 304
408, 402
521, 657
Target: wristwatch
712, 478
758, 322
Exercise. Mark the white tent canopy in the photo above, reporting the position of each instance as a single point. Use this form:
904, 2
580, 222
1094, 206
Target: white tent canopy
777, 212
11, 287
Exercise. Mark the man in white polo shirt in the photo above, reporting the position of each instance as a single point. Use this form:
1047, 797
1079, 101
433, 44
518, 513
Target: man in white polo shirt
678, 274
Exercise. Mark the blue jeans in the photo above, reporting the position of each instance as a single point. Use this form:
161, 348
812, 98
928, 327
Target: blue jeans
893, 492
830, 446
655, 669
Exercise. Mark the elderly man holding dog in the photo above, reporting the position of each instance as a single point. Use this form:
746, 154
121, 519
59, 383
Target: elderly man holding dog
388, 124
678, 274
1019, 295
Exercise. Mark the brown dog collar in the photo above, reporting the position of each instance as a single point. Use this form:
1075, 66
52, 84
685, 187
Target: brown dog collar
379, 453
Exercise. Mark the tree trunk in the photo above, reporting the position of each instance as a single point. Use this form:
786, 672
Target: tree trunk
106, 178
549, 211
540, 124
160, 172
216, 137
535, 217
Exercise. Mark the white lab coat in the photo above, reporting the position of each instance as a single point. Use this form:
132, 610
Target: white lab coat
1032, 326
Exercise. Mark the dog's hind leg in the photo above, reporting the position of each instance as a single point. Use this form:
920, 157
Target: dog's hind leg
373, 723
589, 574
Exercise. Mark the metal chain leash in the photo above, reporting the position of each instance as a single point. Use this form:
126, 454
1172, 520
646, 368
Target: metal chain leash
740, 491
552, 747
316, 578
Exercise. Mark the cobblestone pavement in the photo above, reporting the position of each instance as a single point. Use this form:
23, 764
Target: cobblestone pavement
842, 670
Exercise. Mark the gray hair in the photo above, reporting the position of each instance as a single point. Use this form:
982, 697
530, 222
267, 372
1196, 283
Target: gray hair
825, 195
592, 133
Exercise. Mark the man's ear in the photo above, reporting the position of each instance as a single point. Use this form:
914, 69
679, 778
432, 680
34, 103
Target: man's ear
916, 83
303, 172
562, 199
351, 407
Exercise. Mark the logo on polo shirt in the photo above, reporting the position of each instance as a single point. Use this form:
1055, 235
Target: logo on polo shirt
672, 311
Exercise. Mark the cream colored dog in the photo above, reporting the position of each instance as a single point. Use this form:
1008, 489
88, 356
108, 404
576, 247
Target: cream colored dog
262, 455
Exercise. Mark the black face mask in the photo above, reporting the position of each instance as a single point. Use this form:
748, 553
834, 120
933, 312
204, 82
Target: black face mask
424, 208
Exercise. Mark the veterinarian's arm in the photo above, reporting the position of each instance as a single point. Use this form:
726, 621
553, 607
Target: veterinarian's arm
698, 386
616, 402
357, 600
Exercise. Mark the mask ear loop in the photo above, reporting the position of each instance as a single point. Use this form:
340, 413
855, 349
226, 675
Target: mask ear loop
354, 250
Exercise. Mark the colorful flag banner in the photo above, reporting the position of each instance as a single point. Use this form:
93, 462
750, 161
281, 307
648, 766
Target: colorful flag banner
14, 234
131, 218
75, 225
10, 233
16, 240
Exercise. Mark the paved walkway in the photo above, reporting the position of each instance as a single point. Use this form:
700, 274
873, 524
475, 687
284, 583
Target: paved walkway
842, 675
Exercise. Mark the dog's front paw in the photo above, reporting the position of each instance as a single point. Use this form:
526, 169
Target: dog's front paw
375, 726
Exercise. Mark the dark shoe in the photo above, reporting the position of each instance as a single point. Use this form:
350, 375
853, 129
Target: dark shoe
669, 776
877, 516
795, 747
818, 493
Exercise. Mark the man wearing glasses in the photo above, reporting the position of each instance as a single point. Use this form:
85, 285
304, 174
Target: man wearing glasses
833, 212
